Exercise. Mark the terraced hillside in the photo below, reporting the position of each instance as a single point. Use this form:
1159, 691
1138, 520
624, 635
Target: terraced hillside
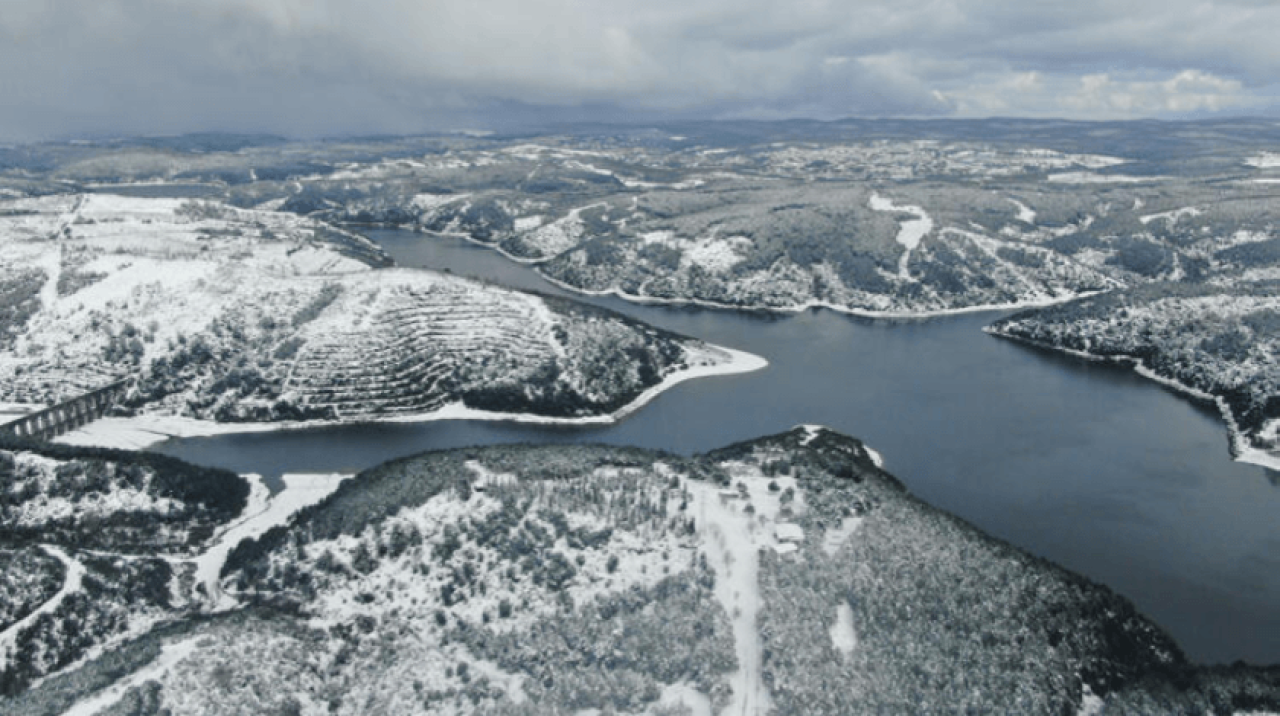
785, 575
253, 316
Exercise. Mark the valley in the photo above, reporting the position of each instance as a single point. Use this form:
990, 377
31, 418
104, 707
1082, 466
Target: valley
548, 315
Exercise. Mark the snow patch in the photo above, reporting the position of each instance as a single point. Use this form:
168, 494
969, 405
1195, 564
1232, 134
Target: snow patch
843, 636
713, 253
427, 202
528, 223
1265, 160
261, 514
1171, 217
910, 232
1090, 703
1095, 178
677, 695
811, 433
875, 456
1026, 214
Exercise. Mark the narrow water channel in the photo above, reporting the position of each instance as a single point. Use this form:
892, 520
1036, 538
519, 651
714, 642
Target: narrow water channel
1088, 465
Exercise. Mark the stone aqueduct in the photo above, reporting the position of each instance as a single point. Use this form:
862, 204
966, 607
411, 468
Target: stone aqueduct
68, 415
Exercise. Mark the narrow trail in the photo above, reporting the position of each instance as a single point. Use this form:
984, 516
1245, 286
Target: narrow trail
170, 656
70, 585
52, 262
732, 549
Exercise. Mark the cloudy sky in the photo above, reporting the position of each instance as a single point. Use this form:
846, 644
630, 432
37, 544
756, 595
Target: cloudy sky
324, 67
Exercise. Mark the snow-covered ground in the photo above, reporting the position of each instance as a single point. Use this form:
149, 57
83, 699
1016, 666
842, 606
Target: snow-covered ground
732, 539
1026, 214
1094, 178
909, 232
843, 636
1172, 216
70, 585
170, 656
136, 433
1264, 160
166, 284
261, 514
712, 252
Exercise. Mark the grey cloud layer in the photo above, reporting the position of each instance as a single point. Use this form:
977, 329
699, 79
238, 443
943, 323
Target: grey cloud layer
334, 66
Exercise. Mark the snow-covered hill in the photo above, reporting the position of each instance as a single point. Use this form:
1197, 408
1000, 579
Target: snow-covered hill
241, 316
785, 575
97, 546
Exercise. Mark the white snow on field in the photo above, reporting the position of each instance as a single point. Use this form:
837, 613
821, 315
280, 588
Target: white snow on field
731, 540
1095, 178
1026, 214
1171, 217
910, 232
143, 431
677, 695
70, 585
427, 202
12, 411
843, 636
713, 253
811, 433
170, 656
43, 509
486, 478
528, 223
1090, 703
1265, 160
260, 514
562, 234
164, 268
788, 532
875, 456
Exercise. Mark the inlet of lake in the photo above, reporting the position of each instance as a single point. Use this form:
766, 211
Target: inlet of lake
1089, 465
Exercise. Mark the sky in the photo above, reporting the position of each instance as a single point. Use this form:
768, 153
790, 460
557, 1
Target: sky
306, 68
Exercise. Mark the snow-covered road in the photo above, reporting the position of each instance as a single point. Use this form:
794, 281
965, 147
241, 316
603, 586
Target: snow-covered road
70, 585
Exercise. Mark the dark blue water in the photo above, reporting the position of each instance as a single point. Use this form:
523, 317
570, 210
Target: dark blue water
1089, 465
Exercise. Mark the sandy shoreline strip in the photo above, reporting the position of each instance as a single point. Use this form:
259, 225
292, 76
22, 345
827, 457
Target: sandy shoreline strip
143, 431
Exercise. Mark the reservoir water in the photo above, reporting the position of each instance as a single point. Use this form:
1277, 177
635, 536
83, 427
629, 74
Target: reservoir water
1087, 464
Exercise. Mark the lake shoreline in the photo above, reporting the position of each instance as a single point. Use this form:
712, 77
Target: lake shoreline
1238, 443
144, 431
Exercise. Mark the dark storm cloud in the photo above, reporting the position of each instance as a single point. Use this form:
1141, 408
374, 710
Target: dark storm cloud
340, 66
